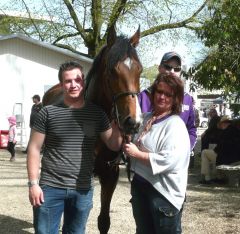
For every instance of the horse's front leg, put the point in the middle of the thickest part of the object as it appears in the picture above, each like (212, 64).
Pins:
(108, 177)
(108, 185)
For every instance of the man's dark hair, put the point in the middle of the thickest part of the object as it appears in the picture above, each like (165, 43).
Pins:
(36, 96)
(68, 66)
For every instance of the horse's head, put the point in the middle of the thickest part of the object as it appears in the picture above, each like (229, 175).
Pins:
(123, 72)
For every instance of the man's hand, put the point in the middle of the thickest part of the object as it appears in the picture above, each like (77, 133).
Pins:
(36, 195)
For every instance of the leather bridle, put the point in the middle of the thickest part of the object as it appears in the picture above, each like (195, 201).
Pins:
(115, 107)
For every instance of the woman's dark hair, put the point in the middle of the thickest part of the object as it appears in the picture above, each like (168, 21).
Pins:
(176, 85)
(68, 66)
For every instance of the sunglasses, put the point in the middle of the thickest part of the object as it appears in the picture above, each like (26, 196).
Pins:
(162, 92)
(169, 68)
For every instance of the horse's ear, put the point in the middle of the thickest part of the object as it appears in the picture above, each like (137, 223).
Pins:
(112, 35)
(134, 40)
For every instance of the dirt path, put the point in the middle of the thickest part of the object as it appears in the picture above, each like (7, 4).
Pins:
(207, 210)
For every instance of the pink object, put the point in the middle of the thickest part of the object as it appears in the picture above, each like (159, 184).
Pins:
(12, 120)
(3, 139)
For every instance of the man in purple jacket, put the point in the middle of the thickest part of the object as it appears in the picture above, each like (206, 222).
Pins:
(171, 65)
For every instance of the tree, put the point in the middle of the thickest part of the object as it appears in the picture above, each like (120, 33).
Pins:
(220, 68)
(150, 73)
(67, 24)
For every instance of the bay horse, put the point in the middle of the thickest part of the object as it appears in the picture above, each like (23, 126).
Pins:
(112, 83)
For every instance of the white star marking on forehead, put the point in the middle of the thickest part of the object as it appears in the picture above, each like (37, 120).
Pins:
(128, 62)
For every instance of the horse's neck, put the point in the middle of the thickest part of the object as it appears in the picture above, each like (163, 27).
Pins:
(98, 93)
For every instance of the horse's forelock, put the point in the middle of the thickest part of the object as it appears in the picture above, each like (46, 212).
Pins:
(119, 51)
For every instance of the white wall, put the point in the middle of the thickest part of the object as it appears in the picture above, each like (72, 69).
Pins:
(21, 79)
(26, 69)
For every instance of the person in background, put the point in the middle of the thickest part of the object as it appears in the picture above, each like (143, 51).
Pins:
(226, 152)
(69, 131)
(210, 135)
(160, 161)
(12, 134)
(205, 113)
(36, 107)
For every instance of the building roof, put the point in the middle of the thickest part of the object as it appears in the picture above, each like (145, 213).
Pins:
(46, 45)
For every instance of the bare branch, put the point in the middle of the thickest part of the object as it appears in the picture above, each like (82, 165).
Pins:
(117, 9)
(33, 22)
(67, 47)
(171, 13)
(64, 37)
(180, 24)
(75, 19)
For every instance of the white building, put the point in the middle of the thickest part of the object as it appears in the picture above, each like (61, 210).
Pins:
(28, 67)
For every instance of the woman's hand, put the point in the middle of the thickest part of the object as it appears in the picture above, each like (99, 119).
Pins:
(131, 149)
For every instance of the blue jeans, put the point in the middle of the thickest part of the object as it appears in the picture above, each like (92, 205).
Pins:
(75, 205)
(152, 212)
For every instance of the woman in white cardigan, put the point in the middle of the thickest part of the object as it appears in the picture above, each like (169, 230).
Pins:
(159, 159)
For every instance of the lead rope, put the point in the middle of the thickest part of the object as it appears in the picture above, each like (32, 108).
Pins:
(121, 156)
(126, 160)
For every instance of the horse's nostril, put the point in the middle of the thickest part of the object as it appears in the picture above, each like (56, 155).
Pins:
(130, 125)
(130, 121)
(137, 126)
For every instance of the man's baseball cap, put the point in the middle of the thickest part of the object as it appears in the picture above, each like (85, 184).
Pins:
(169, 55)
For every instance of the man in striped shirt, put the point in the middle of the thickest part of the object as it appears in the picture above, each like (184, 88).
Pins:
(69, 131)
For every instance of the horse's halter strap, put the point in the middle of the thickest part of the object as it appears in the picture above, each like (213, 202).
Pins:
(127, 93)
(115, 98)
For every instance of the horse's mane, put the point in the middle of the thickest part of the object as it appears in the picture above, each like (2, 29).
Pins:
(119, 51)
(95, 67)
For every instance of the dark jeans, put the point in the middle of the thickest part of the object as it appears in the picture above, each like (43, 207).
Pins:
(75, 205)
(11, 148)
(152, 212)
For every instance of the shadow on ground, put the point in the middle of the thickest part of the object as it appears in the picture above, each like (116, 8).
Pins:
(10, 225)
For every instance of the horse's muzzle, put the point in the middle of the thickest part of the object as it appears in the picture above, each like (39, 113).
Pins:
(130, 126)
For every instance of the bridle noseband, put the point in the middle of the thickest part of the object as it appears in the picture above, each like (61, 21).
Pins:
(127, 93)
(115, 108)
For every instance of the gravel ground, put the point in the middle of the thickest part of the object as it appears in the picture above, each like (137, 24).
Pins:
(208, 209)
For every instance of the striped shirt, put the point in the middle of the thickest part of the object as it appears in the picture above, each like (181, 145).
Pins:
(71, 134)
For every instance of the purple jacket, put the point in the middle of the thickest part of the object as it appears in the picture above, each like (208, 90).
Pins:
(187, 114)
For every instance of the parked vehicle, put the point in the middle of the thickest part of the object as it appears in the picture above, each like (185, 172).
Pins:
(203, 122)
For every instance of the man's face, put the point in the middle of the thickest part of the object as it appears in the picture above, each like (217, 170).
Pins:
(35, 101)
(171, 67)
(73, 84)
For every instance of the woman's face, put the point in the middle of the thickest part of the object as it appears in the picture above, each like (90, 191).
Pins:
(163, 98)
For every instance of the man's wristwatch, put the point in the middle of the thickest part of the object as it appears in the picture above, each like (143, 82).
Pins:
(32, 183)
